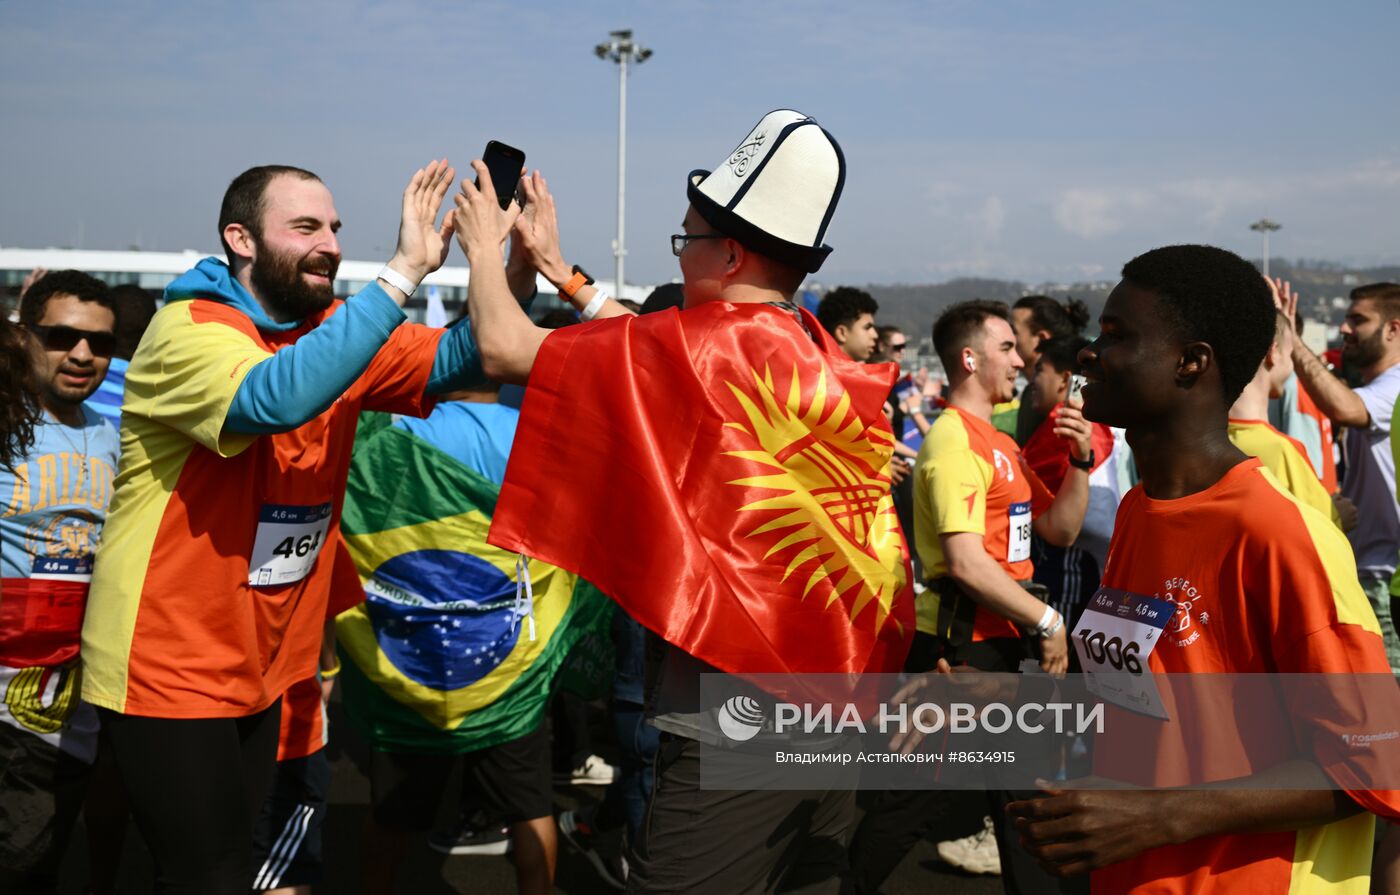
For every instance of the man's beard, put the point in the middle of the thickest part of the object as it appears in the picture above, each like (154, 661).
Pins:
(278, 278)
(1365, 352)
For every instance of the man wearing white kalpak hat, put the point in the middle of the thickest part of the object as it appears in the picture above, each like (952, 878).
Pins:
(677, 474)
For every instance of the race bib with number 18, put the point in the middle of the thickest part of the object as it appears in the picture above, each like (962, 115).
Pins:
(288, 541)
(1018, 532)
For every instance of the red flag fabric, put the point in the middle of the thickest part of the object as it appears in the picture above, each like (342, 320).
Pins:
(1047, 454)
(722, 473)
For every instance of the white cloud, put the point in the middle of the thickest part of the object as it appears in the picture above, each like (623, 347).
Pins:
(990, 217)
(1088, 213)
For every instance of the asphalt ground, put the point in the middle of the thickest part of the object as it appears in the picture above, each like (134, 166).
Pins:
(426, 872)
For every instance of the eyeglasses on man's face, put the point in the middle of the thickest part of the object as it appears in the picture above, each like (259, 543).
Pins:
(679, 240)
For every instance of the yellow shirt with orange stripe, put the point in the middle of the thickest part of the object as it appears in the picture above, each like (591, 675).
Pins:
(970, 477)
(1287, 459)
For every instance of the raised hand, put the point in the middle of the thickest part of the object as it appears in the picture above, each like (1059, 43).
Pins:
(479, 220)
(30, 279)
(1285, 299)
(537, 231)
(423, 246)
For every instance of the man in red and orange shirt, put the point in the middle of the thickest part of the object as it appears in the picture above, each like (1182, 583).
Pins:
(209, 594)
(976, 503)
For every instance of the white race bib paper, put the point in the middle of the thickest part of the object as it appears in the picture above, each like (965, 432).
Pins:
(1116, 633)
(288, 541)
(1018, 532)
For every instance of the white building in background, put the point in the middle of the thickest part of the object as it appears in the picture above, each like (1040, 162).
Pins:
(155, 270)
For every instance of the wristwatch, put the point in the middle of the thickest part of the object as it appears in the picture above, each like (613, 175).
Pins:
(1087, 464)
(575, 283)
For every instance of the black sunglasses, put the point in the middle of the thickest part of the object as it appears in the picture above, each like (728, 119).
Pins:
(898, 346)
(66, 338)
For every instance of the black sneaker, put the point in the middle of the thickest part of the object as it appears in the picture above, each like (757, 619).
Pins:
(469, 838)
(610, 863)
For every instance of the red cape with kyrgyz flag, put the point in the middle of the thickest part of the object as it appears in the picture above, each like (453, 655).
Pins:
(721, 472)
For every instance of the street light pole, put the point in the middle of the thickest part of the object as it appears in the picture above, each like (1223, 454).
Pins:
(621, 49)
(1265, 226)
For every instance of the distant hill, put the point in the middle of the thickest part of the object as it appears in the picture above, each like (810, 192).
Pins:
(1322, 286)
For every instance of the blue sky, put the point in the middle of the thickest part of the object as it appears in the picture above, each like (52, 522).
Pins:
(1038, 140)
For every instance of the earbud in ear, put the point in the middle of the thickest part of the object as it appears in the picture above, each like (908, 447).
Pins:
(971, 364)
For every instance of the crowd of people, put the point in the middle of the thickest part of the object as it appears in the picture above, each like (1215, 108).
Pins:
(214, 512)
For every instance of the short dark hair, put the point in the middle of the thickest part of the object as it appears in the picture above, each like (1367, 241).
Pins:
(955, 327)
(81, 286)
(1062, 353)
(667, 295)
(1058, 319)
(1386, 297)
(135, 308)
(1213, 296)
(244, 199)
(883, 333)
(843, 306)
(557, 318)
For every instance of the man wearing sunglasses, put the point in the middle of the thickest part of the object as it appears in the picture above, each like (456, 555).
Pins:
(52, 508)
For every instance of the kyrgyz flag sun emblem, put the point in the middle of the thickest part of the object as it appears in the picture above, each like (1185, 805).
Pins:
(829, 510)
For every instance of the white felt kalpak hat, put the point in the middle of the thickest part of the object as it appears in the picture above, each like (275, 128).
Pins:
(776, 192)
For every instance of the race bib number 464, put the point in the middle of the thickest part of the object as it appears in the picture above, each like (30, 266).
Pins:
(288, 541)
(1114, 637)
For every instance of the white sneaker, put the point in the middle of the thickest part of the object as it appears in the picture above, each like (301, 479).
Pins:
(974, 854)
(593, 771)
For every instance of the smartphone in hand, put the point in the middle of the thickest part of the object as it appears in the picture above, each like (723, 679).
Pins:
(1076, 390)
(505, 164)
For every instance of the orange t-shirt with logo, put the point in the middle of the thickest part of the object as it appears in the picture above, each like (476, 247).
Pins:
(184, 621)
(1262, 584)
(970, 477)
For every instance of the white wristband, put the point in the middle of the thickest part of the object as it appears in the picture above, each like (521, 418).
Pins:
(397, 280)
(594, 306)
(1042, 628)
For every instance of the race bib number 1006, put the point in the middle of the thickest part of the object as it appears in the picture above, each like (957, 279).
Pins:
(288, 541)
(1116, 633)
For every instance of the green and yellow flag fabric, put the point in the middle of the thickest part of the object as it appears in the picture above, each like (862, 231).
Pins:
(444, 654)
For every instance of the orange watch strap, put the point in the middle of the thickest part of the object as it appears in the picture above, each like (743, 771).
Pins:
(571, 288)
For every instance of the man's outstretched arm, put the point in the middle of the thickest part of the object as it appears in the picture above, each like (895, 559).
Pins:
(298, 383)
(1331, 395)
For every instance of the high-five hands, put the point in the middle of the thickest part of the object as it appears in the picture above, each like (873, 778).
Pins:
(537, 231)
(480, 223)
(423, 245)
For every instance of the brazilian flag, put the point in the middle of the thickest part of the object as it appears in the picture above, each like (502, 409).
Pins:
(442, 656)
